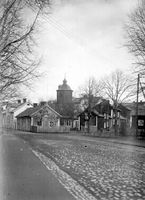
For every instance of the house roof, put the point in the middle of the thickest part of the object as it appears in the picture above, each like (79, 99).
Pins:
(32, 111)
(28, 112)
(46, 105)
(124, 106)
(94, 101)
(97, 113)
(92, 111)
(132, 107)
(12, 106)
(9, 107)
(21, 105)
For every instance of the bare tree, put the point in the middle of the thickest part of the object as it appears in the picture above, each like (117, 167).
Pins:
(90, 89)
(17, 62)
(118, 87)
(90, 93)
(135, 30)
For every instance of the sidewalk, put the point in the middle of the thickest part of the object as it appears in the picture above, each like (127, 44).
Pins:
(23, 176)
(126, 140)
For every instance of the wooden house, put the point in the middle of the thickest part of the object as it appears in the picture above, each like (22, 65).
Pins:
(42, 118)
(136, 118)
(99, 118)
(11, 110)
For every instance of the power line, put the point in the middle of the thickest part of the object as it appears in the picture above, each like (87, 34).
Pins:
(63, 30)
(54, 22)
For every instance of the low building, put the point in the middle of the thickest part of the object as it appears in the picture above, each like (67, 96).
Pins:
(136, 118)
(100, 118)
(42, 118)
(96, 122)
(125, 115)
(10, 110)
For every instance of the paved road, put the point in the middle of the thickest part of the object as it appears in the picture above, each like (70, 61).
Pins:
(23, 176)
(107, 170)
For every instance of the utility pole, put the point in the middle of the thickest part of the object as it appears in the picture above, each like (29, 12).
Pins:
(89, 108)
(138, 79)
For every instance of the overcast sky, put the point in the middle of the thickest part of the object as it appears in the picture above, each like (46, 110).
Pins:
(79, 39)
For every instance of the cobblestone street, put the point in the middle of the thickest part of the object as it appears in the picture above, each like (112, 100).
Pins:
(105, 170)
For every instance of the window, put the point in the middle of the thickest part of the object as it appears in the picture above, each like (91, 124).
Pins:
(140, 122)
(51, 123)
(67, 123)
(105, 125)
(39, 122)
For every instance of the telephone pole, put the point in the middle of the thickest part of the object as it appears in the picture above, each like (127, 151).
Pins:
(138, 80)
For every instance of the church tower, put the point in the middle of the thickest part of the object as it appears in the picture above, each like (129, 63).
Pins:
(64, 93)
(64, 100)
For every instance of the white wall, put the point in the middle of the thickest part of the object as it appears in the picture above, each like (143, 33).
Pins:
(19, 110)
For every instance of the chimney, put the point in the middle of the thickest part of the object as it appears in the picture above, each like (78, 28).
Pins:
(19, 101)
(42, 103)
(24, 100)
(34, 105)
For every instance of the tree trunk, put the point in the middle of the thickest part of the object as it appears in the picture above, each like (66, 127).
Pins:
(116, 126)
(89, 126)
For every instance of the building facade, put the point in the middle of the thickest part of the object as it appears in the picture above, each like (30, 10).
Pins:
(11, 110)
(50, 116)
(41, 118)
(100, 118)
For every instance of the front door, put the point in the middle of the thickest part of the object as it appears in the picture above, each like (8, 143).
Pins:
(45, 123)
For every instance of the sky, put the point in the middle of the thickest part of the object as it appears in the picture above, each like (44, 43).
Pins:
(80, 39)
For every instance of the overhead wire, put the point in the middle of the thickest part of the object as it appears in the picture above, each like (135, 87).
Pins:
(53, 21)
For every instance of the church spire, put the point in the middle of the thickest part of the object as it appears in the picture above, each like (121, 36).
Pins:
(64, 81)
